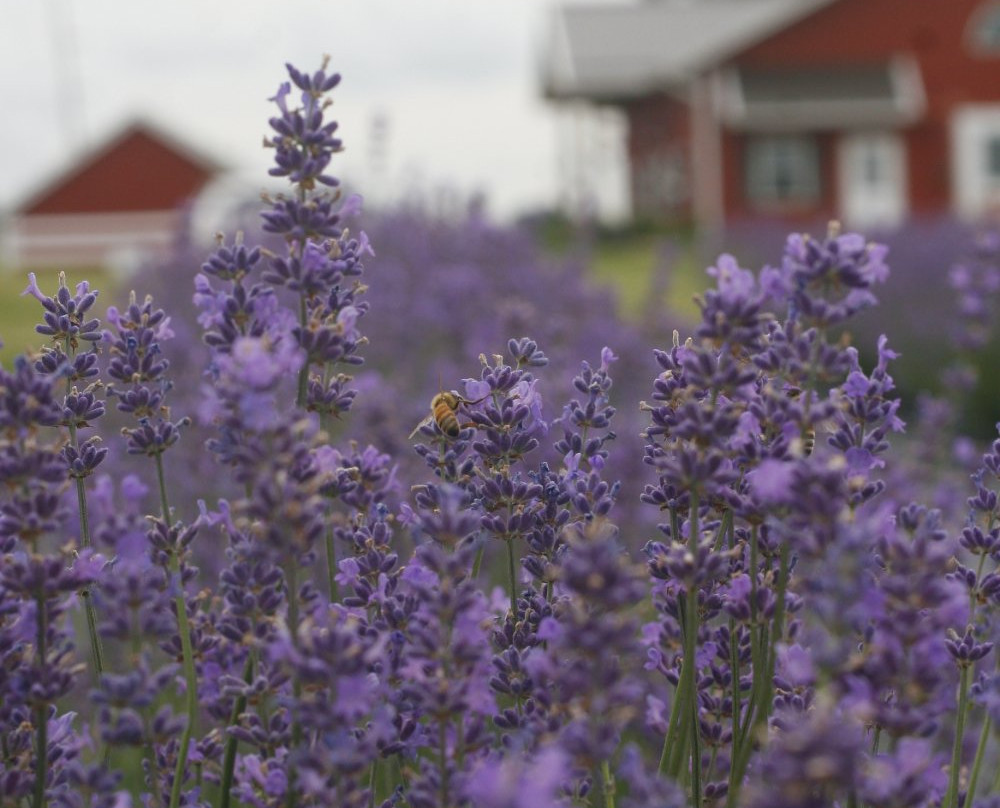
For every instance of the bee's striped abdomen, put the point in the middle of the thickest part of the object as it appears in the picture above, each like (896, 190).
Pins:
(443, 407)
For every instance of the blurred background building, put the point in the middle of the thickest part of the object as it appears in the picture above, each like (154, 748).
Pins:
(864, 110)
(113, 205)
(697, 112)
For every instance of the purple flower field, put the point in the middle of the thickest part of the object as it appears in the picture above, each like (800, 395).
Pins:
(598, 572)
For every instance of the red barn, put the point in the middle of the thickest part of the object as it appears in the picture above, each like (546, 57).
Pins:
(119, 201)
(862, 110)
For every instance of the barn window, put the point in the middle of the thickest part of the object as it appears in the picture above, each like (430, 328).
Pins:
(984, 30)
(782, 169)
(993, 160)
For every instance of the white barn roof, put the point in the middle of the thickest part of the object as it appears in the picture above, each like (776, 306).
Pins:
(613, 52)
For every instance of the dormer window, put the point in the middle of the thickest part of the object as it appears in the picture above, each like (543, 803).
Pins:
(983, 34)
(782, 170)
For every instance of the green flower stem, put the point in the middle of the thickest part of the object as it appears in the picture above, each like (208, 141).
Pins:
(41, 712)
(608, 783)
(96, 650)
(443, 761)
(371, 782)
(292, 618)
(951, 796)
(229, 755)
(678, 750)
(690, 653)
(187, 649)
(511, 564)
(148, 752)
(995, 785)
(972, 592)
(743, 743)
(292, 584)
(670, 739)
(984, 734)
(303, 386)
(734, 673)
(687, 687)
(331, 567)
(725, 528)
(779, 630)
(478, 561)
(460, 740)
(984, 739)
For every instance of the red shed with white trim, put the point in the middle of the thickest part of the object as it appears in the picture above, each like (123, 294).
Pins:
(119, 201)
(862, 110)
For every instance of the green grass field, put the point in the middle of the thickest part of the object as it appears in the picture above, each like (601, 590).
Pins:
(19, 314)
(633, 265)
(646, 279)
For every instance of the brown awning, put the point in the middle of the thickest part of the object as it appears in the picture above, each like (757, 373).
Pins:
(888, 94)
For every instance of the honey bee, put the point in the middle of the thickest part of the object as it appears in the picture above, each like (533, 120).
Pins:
(444, 412)
(808, 439)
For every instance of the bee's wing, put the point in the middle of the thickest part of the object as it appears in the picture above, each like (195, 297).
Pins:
(425, 422)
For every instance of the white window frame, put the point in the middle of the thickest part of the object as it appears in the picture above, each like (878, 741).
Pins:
(982, 34)
(975, 187)
(768, 157)
(868, 198)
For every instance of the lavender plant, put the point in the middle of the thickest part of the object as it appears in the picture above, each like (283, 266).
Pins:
(485, 633)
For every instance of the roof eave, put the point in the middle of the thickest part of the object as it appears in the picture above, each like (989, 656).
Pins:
(618, 94)
(64, 173)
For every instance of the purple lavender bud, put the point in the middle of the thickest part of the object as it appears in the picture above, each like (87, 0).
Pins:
(21, 466)
(514, 781)
(152, 439)
(813, 758)
(985, 691)
(123, 698)
(911, 775)
(29, 517)
(675, 562)
(135, 345)
(65, 312)
(525, 353)
(985, 500)
(83, 460)
(445, 515)
(26, 399)
(843, 262)
(166, 541)
(90, 786)
(299, 221)
(81, 408)
(731, 314)
(232, 263)
(260, 782)
(989, 587)
(140, 402)
(47, 577)
(965, 650)
(133, 601)
(53, 362)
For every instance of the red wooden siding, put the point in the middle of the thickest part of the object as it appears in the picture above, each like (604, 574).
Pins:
(734, 182)
(136, 173)
(659, 135)
(860, 31)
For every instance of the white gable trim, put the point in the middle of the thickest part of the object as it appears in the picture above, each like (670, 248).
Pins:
(89, 239)
(975, 192)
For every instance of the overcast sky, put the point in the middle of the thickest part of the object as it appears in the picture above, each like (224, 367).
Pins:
(455, 82)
